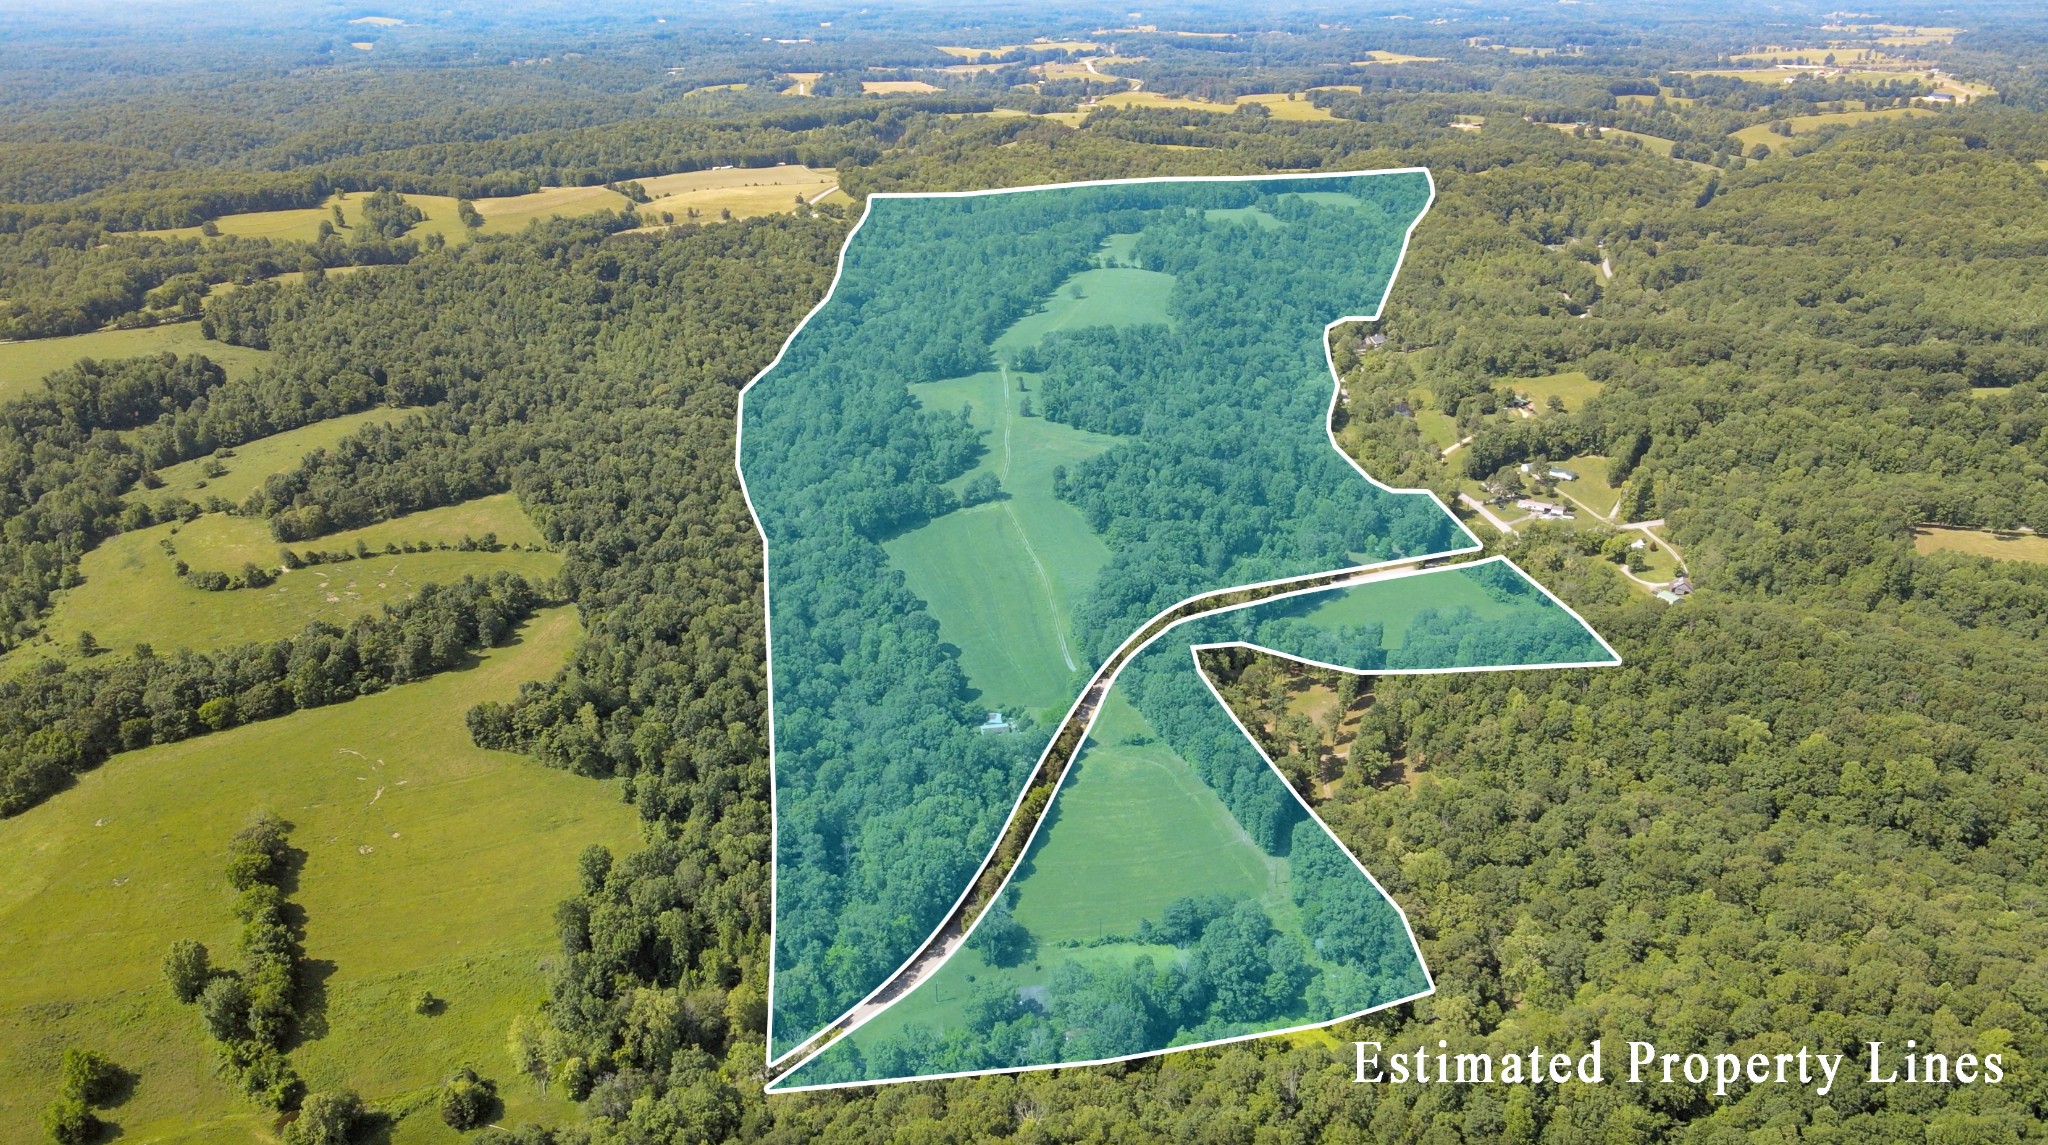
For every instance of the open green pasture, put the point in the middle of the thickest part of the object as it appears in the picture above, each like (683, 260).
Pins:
(1572, 387)
(23, 365)
(1805, 124)
(1393, 604)
(1591, 489)
(1107, 296)
(1130, 795)
(259, 459)
(1003, 578)
(132, 594)
(302, 224)
(425, 859)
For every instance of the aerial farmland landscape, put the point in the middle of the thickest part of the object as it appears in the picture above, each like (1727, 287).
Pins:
(916, 572)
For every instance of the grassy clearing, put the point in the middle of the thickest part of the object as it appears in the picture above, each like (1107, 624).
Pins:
(1154, 99)
(1036, 46)
(1081, 882)
(1754, 75)
(1573, 387)
(744, 191)
(1591, 489)
(1806, 124)
(1658, 563)
(513, 212)
(1981, 543)
(1654, 144)
(1379, 57)
(895, 87)
(1291, 108)
(1394, 604)
(302, 224)
(259, 459)
(1813, 57)
(1130, 795)
(426, 857)
(1003, 578)
(131, 593)
(1438, 428)
(800, 82)
(23, 365)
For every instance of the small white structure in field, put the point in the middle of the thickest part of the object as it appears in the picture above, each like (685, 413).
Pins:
(996, 724)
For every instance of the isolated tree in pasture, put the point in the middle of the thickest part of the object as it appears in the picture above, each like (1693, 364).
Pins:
(188, 969)
(325, 1119)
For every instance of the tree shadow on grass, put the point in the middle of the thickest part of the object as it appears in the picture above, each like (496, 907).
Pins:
(310, 1000)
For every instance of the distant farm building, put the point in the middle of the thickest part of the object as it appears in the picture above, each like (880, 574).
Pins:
(1554, 472)
(996, 725)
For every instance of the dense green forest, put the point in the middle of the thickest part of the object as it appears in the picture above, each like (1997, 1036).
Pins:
(1804, 810)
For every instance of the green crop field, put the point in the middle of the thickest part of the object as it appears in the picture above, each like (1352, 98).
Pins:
(1003, 578)
(258, 459)
(23, 365)
(425, 857)
(1126, 799)
(131, 594)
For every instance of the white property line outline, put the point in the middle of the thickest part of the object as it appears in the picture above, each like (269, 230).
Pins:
(1195, 651)
(767, 597)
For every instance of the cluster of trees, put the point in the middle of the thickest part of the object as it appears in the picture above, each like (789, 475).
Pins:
(252, 1011)
(86, 1080)
(387, 215)
(57, 719)
(1233, 969)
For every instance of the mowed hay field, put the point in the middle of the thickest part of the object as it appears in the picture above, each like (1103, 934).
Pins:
(23, 365)
(1981, 543)
(745, 191)
(302, 224)
(430, 864)
(1294, 107)
(1003, 578)
(132, 594)
(1133, 829)
(259, 459)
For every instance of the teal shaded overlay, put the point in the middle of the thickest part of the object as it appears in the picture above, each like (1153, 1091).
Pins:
(1022, 425)
(1178, 891)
